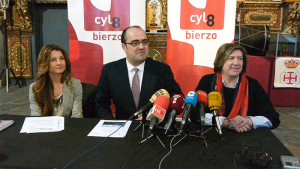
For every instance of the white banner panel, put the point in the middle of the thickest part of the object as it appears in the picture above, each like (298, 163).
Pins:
(205, 24)
(197, 28)
(95, 28)
(287, 72)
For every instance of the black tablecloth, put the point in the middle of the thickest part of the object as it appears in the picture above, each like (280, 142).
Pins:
(55, 150)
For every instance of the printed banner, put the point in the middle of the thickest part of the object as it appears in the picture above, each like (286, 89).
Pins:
(196, 29)
(95, 28)
(287, 72)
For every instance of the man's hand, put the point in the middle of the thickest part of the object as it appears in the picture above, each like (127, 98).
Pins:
(140, 116)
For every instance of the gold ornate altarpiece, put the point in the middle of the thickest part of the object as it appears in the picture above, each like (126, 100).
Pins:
(261, 13)
(19, 31)
(19, 53)
(280, 16)
(156, 27)
(252, 12)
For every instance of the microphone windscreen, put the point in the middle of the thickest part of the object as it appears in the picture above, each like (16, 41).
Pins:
(161, 92)
(177, 103)
(162, 101)
(159, 108)
(202, 97)
(191, 98)
(214, 100)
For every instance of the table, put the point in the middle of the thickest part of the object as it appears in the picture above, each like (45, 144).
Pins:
(55, 150)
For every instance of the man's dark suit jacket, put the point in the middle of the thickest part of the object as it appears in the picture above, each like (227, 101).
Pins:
(114, 85)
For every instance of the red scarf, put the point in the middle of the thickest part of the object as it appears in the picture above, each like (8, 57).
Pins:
(241, 102)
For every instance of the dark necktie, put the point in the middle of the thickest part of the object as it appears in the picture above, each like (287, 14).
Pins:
(136, 87)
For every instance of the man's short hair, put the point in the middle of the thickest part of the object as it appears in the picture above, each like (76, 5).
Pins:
(123, 37)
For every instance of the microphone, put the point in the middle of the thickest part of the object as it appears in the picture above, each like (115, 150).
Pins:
(158, 111)
(202, 100)
(161, 92)
(190, 103)
(214, 103)
(176, 106)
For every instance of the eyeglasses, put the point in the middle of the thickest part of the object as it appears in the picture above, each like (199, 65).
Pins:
(135, 43)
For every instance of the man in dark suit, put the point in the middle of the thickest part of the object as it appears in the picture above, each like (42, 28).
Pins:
(130, 82)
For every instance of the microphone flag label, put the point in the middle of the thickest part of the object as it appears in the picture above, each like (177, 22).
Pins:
(158, 111)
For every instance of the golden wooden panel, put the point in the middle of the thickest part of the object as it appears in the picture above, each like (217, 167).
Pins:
(21, 17)
(158, 43)
(156, 14)
(262, 13)
(157, 40)
(19, 55)
(293, 19)
(155, 55)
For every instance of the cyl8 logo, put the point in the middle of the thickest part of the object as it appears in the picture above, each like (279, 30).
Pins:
(202, 14)
(106, 15)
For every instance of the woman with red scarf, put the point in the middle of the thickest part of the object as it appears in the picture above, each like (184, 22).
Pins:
(245, 104)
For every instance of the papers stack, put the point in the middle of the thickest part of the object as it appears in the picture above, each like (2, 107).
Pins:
(111, 128)
(43, 124)
(5, 123)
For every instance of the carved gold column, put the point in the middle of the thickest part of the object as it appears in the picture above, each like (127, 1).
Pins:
(293, 19)
(19, 31)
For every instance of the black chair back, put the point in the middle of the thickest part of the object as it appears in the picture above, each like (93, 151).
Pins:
(88, 100)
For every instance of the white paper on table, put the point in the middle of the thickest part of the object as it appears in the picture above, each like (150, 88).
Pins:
(106, 127)
(43, 124)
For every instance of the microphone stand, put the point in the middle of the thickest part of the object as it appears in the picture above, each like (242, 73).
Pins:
(143, 124)
(5, 5)
(216, 125)
(200, 133)
(197, 134)
(201, 123)
(22, 79)
(150, 136)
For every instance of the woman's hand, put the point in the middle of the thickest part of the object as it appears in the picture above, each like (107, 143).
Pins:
(239, 123)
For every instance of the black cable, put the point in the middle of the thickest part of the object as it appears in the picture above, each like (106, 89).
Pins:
(130, 157)
(252, 153)
(207, 158)
(171, 148)
(76, 158)
(238, 154)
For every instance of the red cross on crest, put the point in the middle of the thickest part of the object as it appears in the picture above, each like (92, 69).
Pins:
(290, 77)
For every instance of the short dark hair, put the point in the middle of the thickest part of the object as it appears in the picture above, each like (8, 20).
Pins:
(123, 37)
(223, 53)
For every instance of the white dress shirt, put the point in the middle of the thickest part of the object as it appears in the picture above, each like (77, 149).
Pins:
(131, 72)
